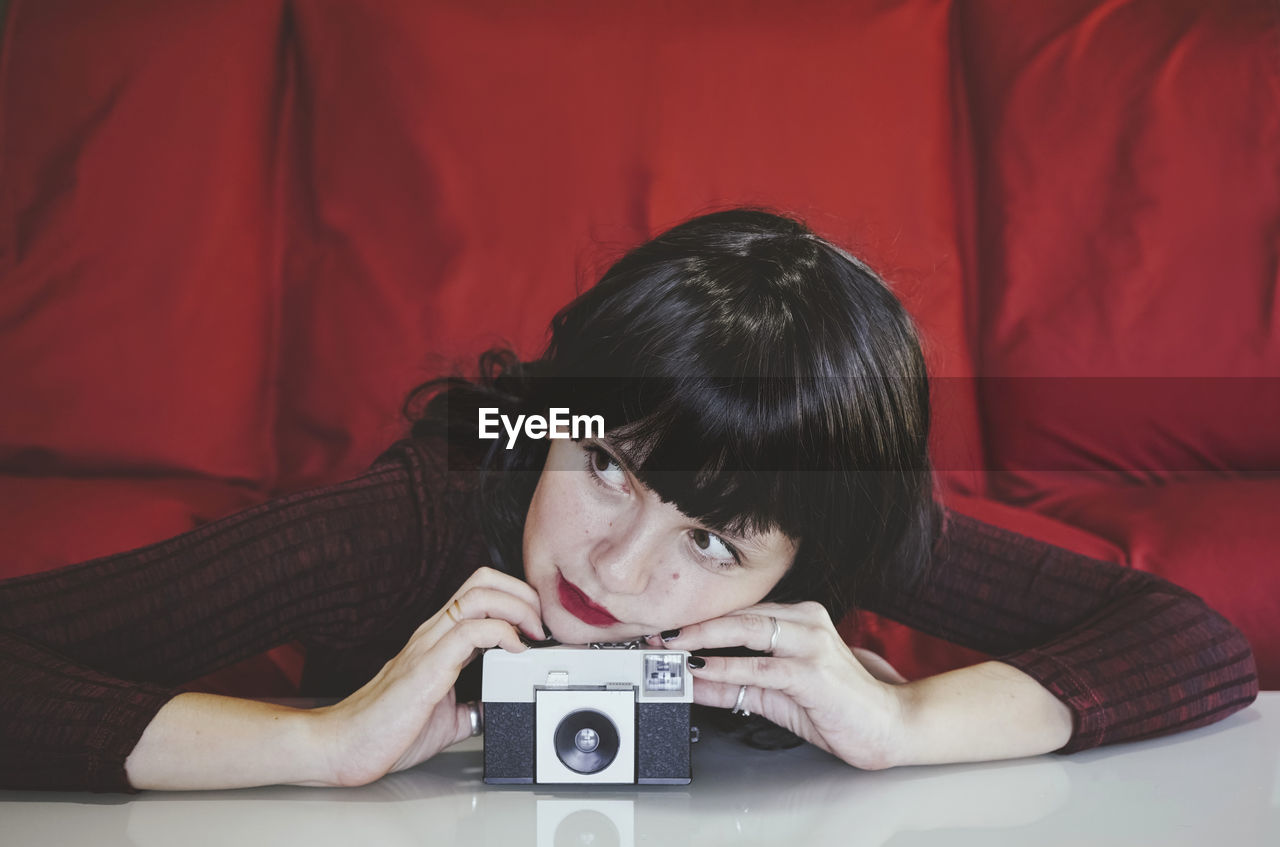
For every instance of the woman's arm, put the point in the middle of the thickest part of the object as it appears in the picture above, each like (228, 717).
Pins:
(91, 653)
(987, 711)
(853, 704)
(977, 714)
(1088, 653)
(67, 726)
(209, 741)
(1130, 655)
(404, 715)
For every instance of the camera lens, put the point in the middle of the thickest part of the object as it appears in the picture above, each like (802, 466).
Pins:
(586, 741)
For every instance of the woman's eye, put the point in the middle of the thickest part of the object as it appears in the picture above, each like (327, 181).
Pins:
(605, 468)
(711, 546)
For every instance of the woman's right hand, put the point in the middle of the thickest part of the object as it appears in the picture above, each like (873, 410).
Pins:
(408, 712)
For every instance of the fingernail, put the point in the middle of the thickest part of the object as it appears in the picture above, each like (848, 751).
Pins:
(670, 634)
(546, 631)
(696, 662)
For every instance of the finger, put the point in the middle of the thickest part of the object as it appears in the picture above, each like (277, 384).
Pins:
(754, 631)
(460, 645)
(759, 701)
(723, 695)
(490, 578)
(478, 603)
(429, 671)
(462, 722)
(807, 613)
(783, 675)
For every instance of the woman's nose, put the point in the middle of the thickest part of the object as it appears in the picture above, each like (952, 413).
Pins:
(623, 558)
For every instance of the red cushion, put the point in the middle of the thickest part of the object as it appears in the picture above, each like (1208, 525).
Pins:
(1130, 195)
(138, 239)
(276, 673)
(53, 521)
(471, 166)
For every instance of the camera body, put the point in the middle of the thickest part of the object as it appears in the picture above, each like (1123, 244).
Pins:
(607, 715)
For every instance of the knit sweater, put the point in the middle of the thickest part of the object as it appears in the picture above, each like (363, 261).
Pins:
(89, 653)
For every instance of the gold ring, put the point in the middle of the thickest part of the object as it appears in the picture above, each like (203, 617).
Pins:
(455, 606)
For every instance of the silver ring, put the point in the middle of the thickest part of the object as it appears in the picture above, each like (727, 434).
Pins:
(777, 630)
(737, 707)
(477, 718)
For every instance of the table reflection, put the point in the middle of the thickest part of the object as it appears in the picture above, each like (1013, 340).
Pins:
(1217, 784)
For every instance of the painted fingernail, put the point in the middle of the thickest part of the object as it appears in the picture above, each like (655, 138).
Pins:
(546, 631)
(696, 662)
(670, 634)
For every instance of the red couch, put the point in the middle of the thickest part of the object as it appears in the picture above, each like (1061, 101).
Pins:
(232, 235)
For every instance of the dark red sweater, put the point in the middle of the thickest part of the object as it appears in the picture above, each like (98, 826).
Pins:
(89, 653)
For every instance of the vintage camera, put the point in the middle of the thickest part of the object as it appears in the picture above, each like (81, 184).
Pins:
(586, 715)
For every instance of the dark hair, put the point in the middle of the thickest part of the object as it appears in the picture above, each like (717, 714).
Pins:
(751, 373)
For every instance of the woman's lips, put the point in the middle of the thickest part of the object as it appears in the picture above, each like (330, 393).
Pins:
(580, 606)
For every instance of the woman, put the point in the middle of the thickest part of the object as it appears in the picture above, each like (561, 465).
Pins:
(763, 470)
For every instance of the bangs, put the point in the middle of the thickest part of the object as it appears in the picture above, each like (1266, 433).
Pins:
(733, 454)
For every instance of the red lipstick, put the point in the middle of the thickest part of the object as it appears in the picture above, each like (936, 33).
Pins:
(580, 606)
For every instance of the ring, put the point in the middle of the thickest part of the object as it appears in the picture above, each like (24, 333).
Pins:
(737, 707)
(449, 611)
(773, 639)
(477, 718)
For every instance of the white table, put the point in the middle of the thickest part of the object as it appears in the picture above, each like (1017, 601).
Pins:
(1216, 786)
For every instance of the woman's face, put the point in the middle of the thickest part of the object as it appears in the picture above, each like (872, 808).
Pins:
(611, 562)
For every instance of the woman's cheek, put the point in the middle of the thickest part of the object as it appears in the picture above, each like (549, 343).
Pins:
(679, 591)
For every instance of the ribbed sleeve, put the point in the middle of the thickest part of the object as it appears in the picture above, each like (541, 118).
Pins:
(1132, 655)
(89, 653)
(63, 725)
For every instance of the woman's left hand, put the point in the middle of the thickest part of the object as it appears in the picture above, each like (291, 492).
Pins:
(848, 701)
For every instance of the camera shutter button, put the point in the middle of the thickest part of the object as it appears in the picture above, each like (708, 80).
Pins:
(557, 679)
